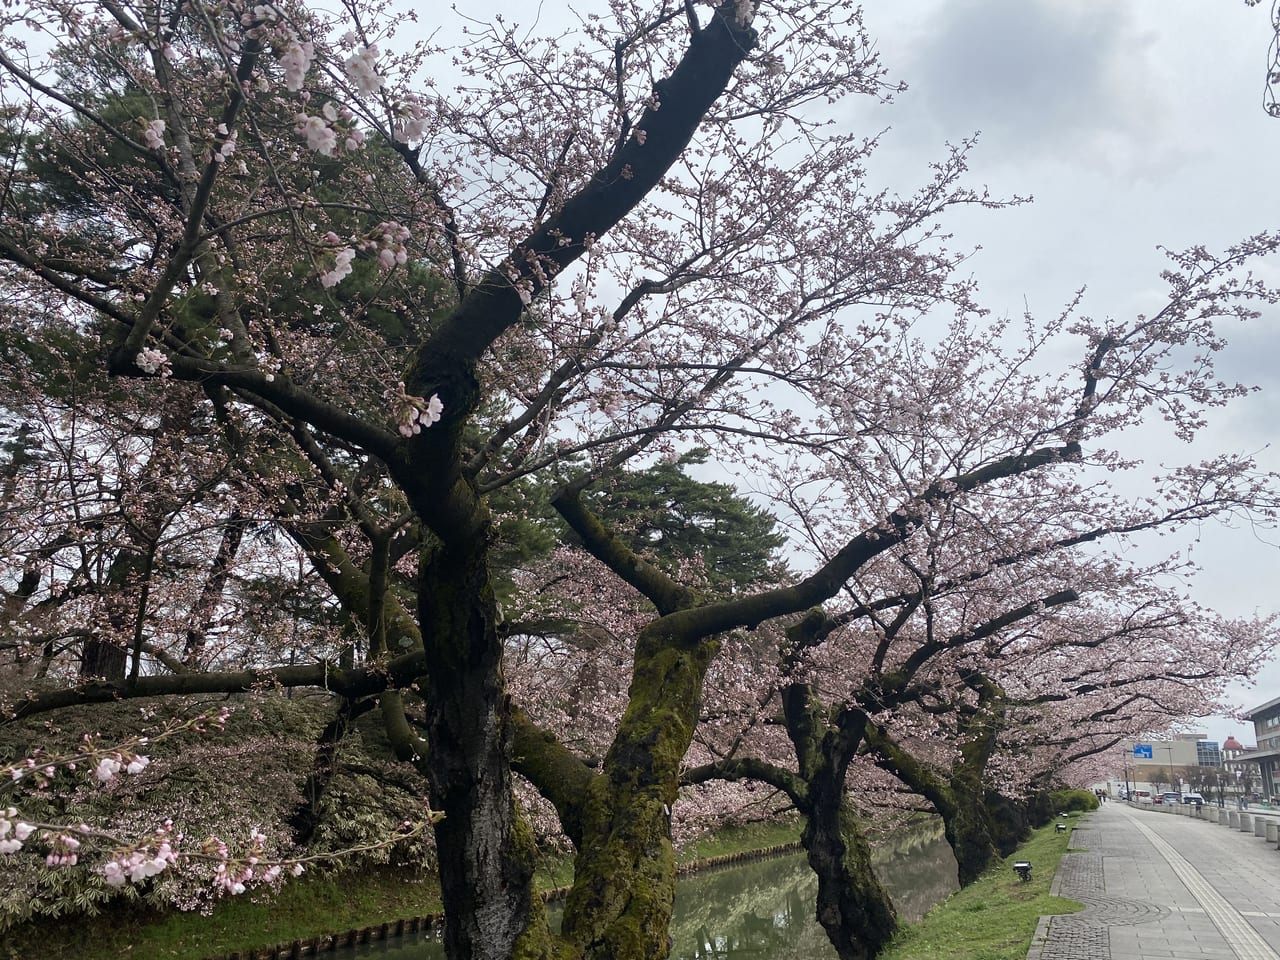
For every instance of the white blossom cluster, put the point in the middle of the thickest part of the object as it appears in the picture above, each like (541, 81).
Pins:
(13, 832)
(412, 413)
(341, 268)
(153, 134)
(228, 146)
(329, 132)
(108, 767)
(361, 71)
(152, 361)
(296, 61)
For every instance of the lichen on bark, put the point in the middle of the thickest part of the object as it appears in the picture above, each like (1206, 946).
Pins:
(624, 875)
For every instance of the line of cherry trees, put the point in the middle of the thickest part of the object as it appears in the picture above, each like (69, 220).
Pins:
(351, 362)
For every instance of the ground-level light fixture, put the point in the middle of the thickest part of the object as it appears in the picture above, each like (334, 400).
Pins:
(1062, 827)
(1023, 869)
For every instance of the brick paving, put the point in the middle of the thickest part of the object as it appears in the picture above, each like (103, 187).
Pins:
(1163, 886)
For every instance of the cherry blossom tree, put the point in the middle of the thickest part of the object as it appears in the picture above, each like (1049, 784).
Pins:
(960, 621)
(113, 511)
(398, 299)
(172, 284)
(972, 718)
(1100, 660)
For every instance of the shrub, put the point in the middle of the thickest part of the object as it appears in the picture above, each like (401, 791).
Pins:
(1074, 801)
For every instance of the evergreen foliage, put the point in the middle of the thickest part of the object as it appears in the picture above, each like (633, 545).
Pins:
(671, 517)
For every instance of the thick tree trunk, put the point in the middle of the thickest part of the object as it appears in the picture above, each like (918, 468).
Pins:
(971, 834)
(103, 659)
(967, 826)
(852, 905)
(624, 874)
(961, 802)
(485, 848)
(1010, 822)
(960, 799)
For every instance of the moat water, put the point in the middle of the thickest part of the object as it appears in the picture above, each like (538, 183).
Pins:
(762, 910)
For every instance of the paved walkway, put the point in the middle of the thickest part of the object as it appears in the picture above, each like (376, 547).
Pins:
(1159, 886)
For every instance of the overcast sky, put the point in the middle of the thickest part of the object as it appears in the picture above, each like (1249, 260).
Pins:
(1133, 124)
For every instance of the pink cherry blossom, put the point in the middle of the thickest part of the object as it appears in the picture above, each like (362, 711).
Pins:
(153, 134)
(151, 360)
(362, 71)
(319, 134)
(296, 59)
(107, 768)
(340, 270)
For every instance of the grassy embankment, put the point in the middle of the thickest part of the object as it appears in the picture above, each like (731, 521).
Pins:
(305, 908)
(993, 919)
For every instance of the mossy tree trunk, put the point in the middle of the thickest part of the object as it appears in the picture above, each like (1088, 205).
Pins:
(618, 819)
(960, 796)
(624, 881)
(624, 876)
(969, 832)
(972, 833)
(1010, 821)
(853, 907)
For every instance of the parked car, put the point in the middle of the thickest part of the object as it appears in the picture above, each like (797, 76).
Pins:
(1170, 798)
(1192, 798)
(1143, 796)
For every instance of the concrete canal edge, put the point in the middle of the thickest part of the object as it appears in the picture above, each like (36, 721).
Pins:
(329, 942)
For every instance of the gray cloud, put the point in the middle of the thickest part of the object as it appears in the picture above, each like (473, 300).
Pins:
(1073, 80)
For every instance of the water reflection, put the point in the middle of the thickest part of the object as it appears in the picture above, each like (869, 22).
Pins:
(765, 910)
(756, 910)
(918, 869)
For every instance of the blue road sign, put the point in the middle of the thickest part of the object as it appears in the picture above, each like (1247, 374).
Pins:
(1142, 751)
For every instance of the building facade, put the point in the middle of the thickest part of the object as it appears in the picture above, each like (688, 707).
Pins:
(1266, 727)
(1157, 766)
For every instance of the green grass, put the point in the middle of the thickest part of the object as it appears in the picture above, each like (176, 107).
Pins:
(995, 917)
(752, 836)
(305, 908)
